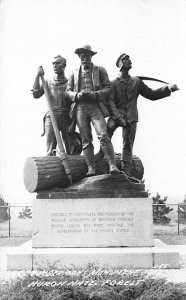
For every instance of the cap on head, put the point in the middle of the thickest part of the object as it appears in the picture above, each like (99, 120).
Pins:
(119, 62)
(85, 48)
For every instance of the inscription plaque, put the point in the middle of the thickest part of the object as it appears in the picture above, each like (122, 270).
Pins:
(92, 222)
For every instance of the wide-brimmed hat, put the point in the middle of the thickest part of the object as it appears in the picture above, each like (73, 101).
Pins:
(85, 48)
(119, 60)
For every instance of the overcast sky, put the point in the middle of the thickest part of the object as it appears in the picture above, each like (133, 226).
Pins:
(153, 33)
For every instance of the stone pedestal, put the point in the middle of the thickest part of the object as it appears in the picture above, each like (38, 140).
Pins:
(105, 221)
(105, 232)
(28, 258)
(95, 222)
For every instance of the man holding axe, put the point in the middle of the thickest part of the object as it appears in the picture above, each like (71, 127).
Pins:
(56, 89)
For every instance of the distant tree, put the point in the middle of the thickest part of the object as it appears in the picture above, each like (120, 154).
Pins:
(160, 211)
(25, 213)
(4, 215)
(182, 211)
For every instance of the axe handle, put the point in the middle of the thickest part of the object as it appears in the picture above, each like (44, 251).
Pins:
(63, 155)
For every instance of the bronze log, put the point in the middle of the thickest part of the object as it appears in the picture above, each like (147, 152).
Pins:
(47, 172)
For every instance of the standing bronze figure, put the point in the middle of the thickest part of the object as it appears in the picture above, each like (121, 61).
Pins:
(61, 106)
(88, 88)
(123, 106)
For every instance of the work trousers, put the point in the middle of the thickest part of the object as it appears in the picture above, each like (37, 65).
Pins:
(63, 121)
(128, 136)
(87, 113)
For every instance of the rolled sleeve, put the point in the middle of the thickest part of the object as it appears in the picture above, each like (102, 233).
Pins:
(37, 93)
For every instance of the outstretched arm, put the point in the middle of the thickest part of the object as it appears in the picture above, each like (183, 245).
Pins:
(156, 94)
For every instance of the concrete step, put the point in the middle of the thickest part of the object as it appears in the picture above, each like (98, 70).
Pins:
(27, 258)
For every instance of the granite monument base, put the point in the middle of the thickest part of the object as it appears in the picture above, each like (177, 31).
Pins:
(92, 222)
(112, 233)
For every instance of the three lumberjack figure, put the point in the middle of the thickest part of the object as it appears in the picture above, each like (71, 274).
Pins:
(60, 104)
(88, 87)
(122, 106)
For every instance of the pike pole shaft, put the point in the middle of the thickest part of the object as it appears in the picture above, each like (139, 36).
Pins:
(63, 155)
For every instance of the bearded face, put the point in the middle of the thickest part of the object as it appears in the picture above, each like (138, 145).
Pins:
(86, 59)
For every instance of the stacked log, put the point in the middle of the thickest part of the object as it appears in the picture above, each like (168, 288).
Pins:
(47, 172)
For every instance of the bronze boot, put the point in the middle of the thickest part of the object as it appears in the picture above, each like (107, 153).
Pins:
(108, 151)
(125, 167)
(99, 155)
(89, 158)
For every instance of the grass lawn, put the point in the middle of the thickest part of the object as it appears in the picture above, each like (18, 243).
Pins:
(18, 227)
(13, 241)
(172, 239)
(169, 233)
(169, 239)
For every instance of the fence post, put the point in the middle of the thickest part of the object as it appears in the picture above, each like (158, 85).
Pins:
(9, 221)
(178, 220)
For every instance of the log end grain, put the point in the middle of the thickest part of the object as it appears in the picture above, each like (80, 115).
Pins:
(30, 175)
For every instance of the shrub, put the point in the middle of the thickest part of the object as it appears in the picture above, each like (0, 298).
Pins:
(25, 213)
(160, 211)
(4, 215)
(146, 289)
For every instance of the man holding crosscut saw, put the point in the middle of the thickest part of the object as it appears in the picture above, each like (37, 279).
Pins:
(123, 105)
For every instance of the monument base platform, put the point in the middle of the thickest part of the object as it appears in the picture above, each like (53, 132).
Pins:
(27, 258)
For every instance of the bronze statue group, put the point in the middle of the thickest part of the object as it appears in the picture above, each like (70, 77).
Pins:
(88, 97)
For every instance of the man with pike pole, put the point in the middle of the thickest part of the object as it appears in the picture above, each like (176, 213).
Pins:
(122, 106)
